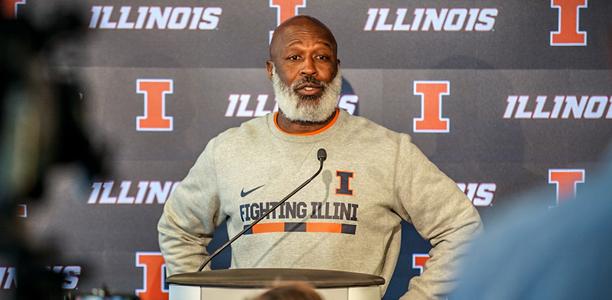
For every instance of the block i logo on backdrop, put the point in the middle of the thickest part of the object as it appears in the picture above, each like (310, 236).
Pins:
(22, 210)
(431, 94)
(419, 260)
(10, 8)
(285, 9)
(154, 92)
(566, 182)
(568, 31)
(154, 286)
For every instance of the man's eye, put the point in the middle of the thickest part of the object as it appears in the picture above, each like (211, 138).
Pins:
(293, 57)
(322, 57)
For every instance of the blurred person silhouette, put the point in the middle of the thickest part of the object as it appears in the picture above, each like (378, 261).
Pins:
(290, 291)
(42, 125)
(562, 253)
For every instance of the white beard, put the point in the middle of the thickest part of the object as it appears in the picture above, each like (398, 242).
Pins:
(307, 110)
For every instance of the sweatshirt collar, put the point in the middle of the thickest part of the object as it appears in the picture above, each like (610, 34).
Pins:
(311, 136)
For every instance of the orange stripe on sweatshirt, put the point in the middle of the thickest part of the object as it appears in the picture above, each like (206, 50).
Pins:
(269, 227)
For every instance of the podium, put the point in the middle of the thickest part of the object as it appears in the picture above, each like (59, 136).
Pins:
(243, 284)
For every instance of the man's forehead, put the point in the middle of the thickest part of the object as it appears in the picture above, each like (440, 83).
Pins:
(297, 29)
(299, 37)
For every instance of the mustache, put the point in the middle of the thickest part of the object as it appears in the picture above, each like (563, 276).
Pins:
(308, 81)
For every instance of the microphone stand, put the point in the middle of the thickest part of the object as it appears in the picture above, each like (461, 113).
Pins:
(321, 156)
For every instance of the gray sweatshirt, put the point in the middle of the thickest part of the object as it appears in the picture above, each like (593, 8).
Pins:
(347, 219)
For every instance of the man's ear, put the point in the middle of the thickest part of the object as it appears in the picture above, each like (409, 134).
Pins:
(269, 67)
(337, 66)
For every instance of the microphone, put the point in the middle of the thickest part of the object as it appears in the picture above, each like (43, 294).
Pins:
(321, 156)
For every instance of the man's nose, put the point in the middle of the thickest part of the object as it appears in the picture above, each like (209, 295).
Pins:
(308, 67)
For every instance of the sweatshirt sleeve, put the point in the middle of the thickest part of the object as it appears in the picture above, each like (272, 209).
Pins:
(190, 217)
(440, 212)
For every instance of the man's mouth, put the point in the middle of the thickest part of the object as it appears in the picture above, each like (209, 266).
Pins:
(309, 89)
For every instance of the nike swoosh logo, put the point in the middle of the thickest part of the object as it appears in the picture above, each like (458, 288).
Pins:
(244, 194)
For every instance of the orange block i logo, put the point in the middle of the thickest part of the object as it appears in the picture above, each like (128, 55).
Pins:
(431, 120)
(154, 91)
(568, 33)
(153, 277)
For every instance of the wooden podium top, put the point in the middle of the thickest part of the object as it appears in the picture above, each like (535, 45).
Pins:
(265, 278)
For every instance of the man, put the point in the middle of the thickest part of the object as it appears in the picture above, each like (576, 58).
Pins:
(347, 219)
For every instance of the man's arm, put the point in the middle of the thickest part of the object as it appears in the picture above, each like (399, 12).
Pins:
(440, 212)
(190, 217)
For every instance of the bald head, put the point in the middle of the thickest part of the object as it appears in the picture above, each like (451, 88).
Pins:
(300, 24)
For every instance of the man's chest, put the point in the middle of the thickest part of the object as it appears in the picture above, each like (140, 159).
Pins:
(345, 195)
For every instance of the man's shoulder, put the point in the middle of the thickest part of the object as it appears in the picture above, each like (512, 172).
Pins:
(249, 129)
(237, 138)
(363, 126)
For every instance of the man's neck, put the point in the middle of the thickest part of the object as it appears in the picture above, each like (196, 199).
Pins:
(298, 127)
